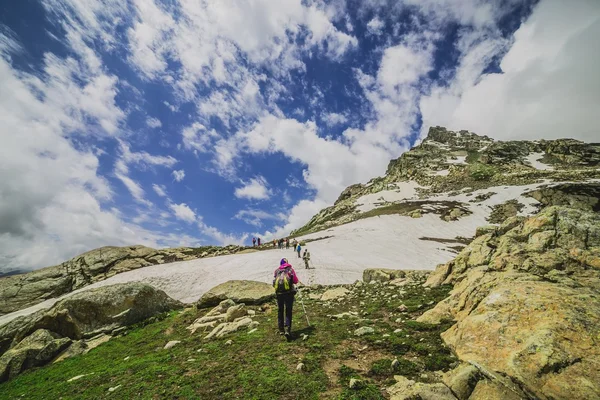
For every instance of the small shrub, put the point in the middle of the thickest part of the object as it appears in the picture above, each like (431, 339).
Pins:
(481, 172)
(420, 326)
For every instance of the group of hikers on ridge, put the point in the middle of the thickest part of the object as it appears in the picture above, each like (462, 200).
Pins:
(296, 246)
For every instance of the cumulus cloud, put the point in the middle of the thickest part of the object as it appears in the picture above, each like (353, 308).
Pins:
(548, 87)
(255, 189)
(183, 212)
(178, 175)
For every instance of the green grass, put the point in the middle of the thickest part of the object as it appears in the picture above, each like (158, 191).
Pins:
(256, 366)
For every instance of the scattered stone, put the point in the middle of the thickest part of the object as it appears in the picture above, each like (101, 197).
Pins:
(126, 358)
(76, 378)
(235, 312)
(229, 342)
(300, 367)
(402, 308)
(365, 330)
(171, 344)
(334, 293)
(395, 364)
(112, 389)
(398, 330)
(355, 383)
(191, 360)
(253, 325)
(304, 336)
(252, 331)
(251, 313)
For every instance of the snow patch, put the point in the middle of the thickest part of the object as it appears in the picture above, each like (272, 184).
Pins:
(459, 160)
(533, 160)
(403, 191)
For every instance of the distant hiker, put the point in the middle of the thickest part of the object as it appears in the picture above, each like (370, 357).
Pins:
(253, 242)
(295, 244)
(306, 258)
(274, 243)
(287, 243)
(259, 241)
(298, 249)
(284, 280)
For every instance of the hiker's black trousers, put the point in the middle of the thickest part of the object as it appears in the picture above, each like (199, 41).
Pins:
(285, 302)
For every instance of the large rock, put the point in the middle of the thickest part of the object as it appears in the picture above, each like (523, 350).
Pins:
(91, 312)
(37, 349)
(248, 292)
(526, 304)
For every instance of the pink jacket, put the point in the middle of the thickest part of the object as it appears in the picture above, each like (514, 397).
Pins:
(282, 266)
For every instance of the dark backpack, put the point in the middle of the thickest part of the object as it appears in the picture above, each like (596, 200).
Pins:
(284, 280)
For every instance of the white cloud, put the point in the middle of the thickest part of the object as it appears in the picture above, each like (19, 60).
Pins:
(548, 88)
(178, 175)
(221, 238)
(153, 122)
(375, 26)
(333, 119)
(256, 217)
(255, 189)
(183, 212)
(160, 190)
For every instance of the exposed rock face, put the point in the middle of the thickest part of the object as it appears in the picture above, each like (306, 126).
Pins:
(82, 315)
(248, 292)
(451, 162)
(526, 305)
(22, 291)
(37, 349)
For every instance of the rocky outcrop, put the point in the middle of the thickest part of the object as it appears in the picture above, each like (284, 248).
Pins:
(526, 306)
(248, 292)
(394, 276)
(83, 315)
(35, 350)
(21, 291)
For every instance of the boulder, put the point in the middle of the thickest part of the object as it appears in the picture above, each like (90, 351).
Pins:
(462, 380)
(489, 390)
(334, 293)
(248, 292)
(406, 389)
(37, 349)
(381, 275)
(526, 304)
(88, 313)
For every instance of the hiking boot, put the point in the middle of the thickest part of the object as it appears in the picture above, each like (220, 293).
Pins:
(288, 332)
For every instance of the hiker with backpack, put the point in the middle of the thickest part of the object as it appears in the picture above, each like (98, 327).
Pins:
(284, 281)
(298, 249)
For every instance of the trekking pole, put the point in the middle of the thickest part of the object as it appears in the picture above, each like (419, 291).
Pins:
(304, 308)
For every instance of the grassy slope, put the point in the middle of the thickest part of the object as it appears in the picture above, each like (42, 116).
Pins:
(259, 365)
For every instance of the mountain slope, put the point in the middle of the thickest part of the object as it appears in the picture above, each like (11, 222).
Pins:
(430, 177)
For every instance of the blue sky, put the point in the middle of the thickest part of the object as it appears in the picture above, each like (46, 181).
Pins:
(192, 122)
